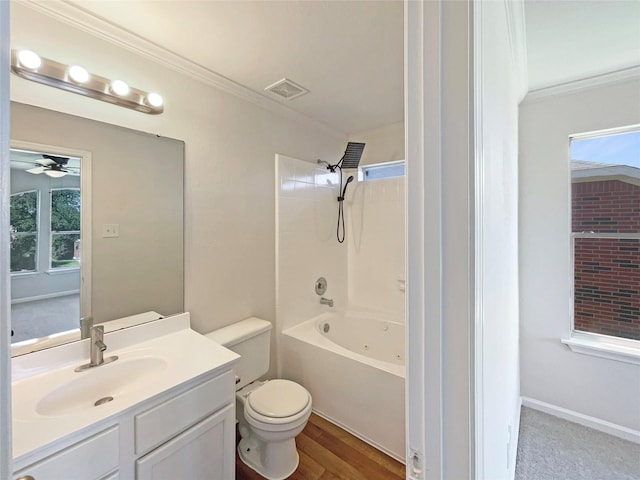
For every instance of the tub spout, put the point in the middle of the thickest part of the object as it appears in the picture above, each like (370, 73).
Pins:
(326, 301)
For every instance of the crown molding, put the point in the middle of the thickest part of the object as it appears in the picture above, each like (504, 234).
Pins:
(575, 86)
(87, 22)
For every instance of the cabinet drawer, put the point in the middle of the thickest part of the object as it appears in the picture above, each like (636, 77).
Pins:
(204, 451)
(90, 459)
(159, 424)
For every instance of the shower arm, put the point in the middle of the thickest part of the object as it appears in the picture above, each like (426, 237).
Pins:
(331, 168)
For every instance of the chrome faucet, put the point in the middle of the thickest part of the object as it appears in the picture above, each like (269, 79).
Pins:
(96, 349)
(97, 346)
(326, 301)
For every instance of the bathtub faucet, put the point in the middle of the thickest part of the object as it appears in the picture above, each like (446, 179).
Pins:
(326, 301)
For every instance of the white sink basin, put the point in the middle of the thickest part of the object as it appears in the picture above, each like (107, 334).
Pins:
(98, 385)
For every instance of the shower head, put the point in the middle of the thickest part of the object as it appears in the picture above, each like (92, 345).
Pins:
(350, 159)
(352, 155)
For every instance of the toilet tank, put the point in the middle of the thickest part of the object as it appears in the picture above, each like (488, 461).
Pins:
(251, 339)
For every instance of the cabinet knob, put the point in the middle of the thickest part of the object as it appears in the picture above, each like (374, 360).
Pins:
(26, 477)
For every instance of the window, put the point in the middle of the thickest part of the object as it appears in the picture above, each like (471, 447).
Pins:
(605, 234)
(24, 231)
(65, 228)
(382, 170)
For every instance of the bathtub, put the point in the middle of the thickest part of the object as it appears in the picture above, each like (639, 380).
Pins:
(353, 364)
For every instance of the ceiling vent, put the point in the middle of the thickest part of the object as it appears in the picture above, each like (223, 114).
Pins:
(287, 89)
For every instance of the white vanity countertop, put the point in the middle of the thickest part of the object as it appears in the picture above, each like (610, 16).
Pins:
(161, 355)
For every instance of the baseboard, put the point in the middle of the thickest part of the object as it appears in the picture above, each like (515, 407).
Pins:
(44, 297)
(360, 436)
(585, 420)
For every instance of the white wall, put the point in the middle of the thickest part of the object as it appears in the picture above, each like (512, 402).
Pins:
(229, 149)
(605, 389)
(497, 316)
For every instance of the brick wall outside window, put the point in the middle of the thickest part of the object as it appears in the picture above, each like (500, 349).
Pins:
(607, 270)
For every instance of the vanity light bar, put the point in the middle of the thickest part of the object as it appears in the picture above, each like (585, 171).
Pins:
(76, 79)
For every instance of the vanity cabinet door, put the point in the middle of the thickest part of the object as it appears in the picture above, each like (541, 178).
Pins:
(205, 451)
(95, 458)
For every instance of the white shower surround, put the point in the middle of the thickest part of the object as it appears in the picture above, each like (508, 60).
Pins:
(363, 395)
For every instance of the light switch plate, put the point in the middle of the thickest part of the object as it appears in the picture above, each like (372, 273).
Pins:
(110, 230)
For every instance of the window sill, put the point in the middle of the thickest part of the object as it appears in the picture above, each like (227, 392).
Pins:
(600, 346)
(24, 274)
(60, 271)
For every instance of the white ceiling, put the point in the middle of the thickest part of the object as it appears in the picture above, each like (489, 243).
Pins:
(349, 54)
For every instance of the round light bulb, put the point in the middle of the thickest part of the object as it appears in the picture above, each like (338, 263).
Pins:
(155, 100)
(78, 74)
(29, 59)
(119, 87)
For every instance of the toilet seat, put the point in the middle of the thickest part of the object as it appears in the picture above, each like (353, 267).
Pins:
(285, 403)
(279, 399)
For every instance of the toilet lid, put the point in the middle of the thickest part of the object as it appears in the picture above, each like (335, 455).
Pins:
(278, 399)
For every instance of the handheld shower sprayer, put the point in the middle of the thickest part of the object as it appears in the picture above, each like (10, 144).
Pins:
(344, 189)
(340, 230)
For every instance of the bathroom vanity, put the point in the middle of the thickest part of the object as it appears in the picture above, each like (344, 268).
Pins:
(164, 409)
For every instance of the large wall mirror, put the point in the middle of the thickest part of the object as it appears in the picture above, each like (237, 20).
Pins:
(96, 226)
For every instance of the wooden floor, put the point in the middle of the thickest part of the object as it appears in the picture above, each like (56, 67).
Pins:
(327, 453)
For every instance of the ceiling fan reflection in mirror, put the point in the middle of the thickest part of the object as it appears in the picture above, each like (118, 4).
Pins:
(51, 165)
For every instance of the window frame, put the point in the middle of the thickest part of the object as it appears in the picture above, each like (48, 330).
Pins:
(36, 234)
(51, 269)
(579, 341)
(362, 170)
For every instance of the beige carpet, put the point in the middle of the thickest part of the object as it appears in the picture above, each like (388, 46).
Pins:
(44, 317)
(550, 448)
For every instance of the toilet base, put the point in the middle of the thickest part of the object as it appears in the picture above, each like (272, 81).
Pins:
(280, 459)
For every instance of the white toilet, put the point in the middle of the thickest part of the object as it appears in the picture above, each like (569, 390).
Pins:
(271, 413)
